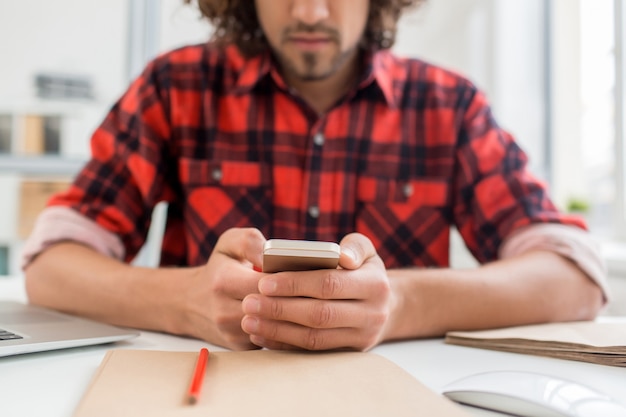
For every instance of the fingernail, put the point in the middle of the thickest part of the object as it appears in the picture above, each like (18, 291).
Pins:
(349, 253)
(251, 305)
(250, 324)
(257, 340)
(267, 286)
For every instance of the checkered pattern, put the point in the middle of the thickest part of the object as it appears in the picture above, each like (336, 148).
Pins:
(412, 150)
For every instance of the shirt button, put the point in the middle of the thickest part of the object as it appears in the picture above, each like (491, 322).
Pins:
(318, 139)
(216, 174)
(314, 212)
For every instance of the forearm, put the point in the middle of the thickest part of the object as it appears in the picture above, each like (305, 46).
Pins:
(533, 288)
(76, 279)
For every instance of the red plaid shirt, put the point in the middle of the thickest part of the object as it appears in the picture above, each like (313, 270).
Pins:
(412, 150)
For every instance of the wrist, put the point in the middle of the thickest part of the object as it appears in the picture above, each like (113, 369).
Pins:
(183, 311)
(413, 291)
(396, 301)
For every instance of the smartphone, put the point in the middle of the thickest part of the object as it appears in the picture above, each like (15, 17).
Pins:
(299, 255)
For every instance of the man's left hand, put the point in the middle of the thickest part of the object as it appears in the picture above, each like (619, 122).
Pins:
(344, 308)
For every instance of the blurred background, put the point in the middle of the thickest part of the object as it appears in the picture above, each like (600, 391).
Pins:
(553, 71)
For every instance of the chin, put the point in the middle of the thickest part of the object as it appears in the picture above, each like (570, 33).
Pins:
(314, 77)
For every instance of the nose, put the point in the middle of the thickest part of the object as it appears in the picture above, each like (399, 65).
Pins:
(310, 11)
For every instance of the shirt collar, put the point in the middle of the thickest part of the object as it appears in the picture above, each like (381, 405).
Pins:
(250, 70)
(381, 69)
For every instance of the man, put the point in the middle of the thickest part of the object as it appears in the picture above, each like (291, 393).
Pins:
(298, 123)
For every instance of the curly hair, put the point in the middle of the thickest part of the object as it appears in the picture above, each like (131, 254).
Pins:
(235, 21)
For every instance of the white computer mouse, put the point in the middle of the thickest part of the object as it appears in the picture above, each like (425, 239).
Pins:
(529, 394)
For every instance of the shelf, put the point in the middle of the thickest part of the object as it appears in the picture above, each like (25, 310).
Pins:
(40, 165)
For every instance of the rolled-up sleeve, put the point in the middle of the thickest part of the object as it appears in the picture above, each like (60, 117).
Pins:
(571, 242)
(59, 224)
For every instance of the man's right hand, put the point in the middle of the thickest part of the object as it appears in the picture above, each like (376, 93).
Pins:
(213, 300)
(202, 302)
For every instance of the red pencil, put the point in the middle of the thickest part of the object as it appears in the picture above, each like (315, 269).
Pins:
(193, 393)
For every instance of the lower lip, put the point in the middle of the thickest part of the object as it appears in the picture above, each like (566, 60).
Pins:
(307, 45)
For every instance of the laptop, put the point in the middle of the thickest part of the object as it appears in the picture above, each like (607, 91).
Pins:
(25, 328)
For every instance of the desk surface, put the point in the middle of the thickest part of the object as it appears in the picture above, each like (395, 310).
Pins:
(52, 383)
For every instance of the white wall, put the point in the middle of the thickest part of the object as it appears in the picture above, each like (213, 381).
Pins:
(84, 37)
(69, 37)
(180, 25)
(426, 33)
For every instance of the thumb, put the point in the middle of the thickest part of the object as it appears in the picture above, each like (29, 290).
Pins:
(243, 244)
(356, 249)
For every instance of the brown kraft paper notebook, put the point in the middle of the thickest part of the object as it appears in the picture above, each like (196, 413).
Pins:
(259, 383)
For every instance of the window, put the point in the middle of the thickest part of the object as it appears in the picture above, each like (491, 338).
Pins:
(598, 117)
(587, 78)
(588, 134)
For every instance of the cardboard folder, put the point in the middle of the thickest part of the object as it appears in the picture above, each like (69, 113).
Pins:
(586, 341)
(259, 383)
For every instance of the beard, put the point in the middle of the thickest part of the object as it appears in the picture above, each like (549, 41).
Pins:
(312, 66)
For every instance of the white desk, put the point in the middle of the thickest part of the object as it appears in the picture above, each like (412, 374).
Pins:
(51, 384)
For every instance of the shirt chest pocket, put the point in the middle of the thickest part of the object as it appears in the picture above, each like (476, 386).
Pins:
(407, 221)
(220, 195)
(414, 192)
(238, 174)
